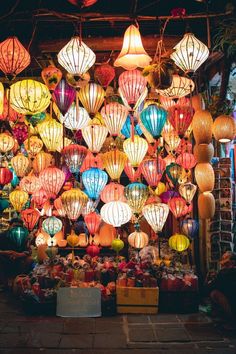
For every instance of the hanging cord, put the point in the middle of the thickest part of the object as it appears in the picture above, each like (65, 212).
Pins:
(160, 43)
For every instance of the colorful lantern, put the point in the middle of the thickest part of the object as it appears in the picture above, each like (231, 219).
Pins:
(117, 244)
(174, 172)
(75, 119)
(93, 250)
(169, 159)
(20, 163)
(131, 172)
(114, 115)
(161, 188)
(52, 179)
(91, 97)
(74, 156)
(114, 163)
(152, 170)
(113, 191)
(116, 213)
(59, 207)
(64, 95)
(136, 195)
(179, 242)
(180, 117)
(41, 161)
(7, 142)
(51, 77)
(30, 184)
(138, 239)
(18, 199)
(202, 127)
(73, 202)
(91, 161)
(78, 81)
(6, 176)
(1, 98)
(20, 132)
(187, 191)
(104, 74)
(206, 205)
(126, 131)
(52, 225)
(167, 102)
(33, 145)
(30, 217)
(203, 152)
(94, 136)
(177, 206)
(189, 227)
(135, 149)
(156, 215)
(186, 160)
(39, 197)
(224, 129)
(173, 140)
(181, 86)
(153, 119)
(92, 221)
(132, 85)
(51, 132)
(90, 206)
(18, 236)
(94, 181)
(205, 177)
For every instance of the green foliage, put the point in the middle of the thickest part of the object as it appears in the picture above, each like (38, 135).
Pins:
(225, 37)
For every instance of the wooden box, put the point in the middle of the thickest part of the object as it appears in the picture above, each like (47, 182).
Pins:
(137, 300)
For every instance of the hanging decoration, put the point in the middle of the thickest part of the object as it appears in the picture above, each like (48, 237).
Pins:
(179, 242)
(181, 86)
(51, 77)
(135, 149)
(154, 119)
(74, 156)
(116, 213)
(104, 74)
(94, 136)
(73, 202)
(76, 118)
(91, 96)
(64, 95)
(136, 194)
(224, 128)
(114, 163)
(94, 181)
(51, 133)
(180, 117)
(112, 192)
(152, 169)
(114, 115)
(189, 227)
(156, 215)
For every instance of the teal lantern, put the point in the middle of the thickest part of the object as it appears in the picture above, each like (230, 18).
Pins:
(174, 172)
(15, 180)
(94, 181)
(36, 118)
(18, 235)
(4, 204)
(52, 225)
(153, 118)
(126, 128)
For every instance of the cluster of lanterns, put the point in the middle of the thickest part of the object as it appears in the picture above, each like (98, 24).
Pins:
(61, 165)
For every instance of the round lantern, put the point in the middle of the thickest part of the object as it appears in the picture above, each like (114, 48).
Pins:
(189, 227)
(30, 217)
(131, 172)
(51, 77)
(75, 119)
(52, 179)
(74, 156)
(187, 191)
(5, 176)
(14, 58)
(93, 250)
(180, 117)
(59, 207)
(41, 161)
(73, 202)
(29, 97)
(30, 184)
(92, 221)
(18, 236)
(73, 239)
(174, 172)
(203, 152)
(94, 136)
(91, 161)
(116, 213)
(39, 197)
(64, 95)
(224, 129)
(20, 163)
(117, 244)
(136, 195)
(114, 163)
(113, 191)
(33, 145)
(167, 102)
(206, 205)
(138, 239)
(7, 142)
(154, 119)
(132, 85)
(186, 160)
(177, 206)
(152, 170)
(202, 127)
(181, 86)
(91, 97)
(114, 115)
(179, 242)
(135, 149)
(51, 133)
(126, 129)
(205, 177)
(156, 215)
(173, 141)
(18, 199)
(52, 225)
(94, 181)
(104, 74)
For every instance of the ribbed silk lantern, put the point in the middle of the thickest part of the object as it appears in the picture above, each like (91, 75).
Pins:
(138, 239)
(152, 170)
(51, 133)
(30, 217)
(104, 74)
(205, 177)
(126, 131)
(30, 184)
(7, 142)
(73, 202)
(92, 221)
(131, 172)
(41, 161)
(136, 194)
(18, 198)
(33, 145)
(202, 127)
(64, 95)
(116, 213)
(167, 102)
(186, 160)
(156, 215)
(224, 128)
(135, 149)
(189, 227)
(114, 115)
(114, 163)
(172, 139)
(20, 163)
(177, 206)
(59, 207)
(75, 119)
(203, 152)
(180, 117)
(187, 191)
(179, 242)
(113, 191)
(174, 172)
(51, 77)
(94, 181)
(132, 85)
(52, 179)
(39, 198)
(6, 176)
(94, 136)
(92, 97)
(52, 225)
(74, 156)
(181, 86)
(153, 119)
(206, 205)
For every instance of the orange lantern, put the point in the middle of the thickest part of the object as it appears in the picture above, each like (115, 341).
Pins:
(202, 127)
(91, 161)
(138, 239)
(203, 152)
(52, 180)
(59, 206)
(51, 77)
(33, 145)
(5, 176)
(107, 233)
(30, 184)
(114, 115)
(20, 163)
(114, 163)
(131, 172)
(7, 142)
(39, 197)
(41, 161)
(18, 199)
(186, 160)
(92, 221)
(112, 191)
(74, 156)
(30, 217)
(205, 177)
(206, 205)
(224, 128)
(152, 170)
(177, 206)
(91, 97)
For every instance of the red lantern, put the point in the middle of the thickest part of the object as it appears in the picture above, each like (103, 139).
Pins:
(74, 156)
(168, 102)
(180, 118)
(104, 74)
(30, 217)
(52, 179)
(92, 221)
(51, 76)
(186, 160)
(132, 85)
(131, 172)
(91, 161)
(39, 198)
(20, 132)
(177, 206)
(93, 250)
(152, 170)
(113, 191)
(5, 176)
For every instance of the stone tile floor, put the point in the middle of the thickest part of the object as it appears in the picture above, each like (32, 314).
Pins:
(135, 334)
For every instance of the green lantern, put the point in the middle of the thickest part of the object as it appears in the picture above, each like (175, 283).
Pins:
(117, 244)
(174, 172)
(18, 236)
(4, 204)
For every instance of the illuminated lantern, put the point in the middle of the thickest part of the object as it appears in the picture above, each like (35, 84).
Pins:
(73, 239)
(74, 156)
(76, 57)
(112, 191)
(30, 217)
(152, 170)
(161, 188)
(51, 77)
(30, 184)
(40, 240)
(91, 97)
(9, 113)
(92, 221)
(187, 191)
(132, 54)
(206, 205)
(135, 149)
(20, 132)
(116, 213)
(29, 97)
(64, 95)
(6, 176)
(114, 163)
(205, 177)
(91, 161)
(190, 53)
(73, 202)
(90, 206)
(20, 163)
(104, 74)
(138, 239)
(189, 227)
(94, 136)
(78, 81)
(202, 127)
(167, 102)
(132, 85)
(224, 129)
(51, 132)
(39, 197)
(18, 199)
(36, 118)
(177, 206)
(153, 119)
(126, 128)
(169, 159)
(174, 172)
(83, 240)
(93, 250)
(180, 117)
(33, 145)
(7, 142)
(181, 86)
(203, 152)
(59, 207)
(94, 181)
(52, 225)
(172, 139)
(186, 160)
(179, 242)
(131, 172)
(156, 215)
(74, 119)
(63, 142)
(117, 244)
(136, 195)
(41, 161)
(52, 180)
(14, 58)
(114, 115)
(18, 236)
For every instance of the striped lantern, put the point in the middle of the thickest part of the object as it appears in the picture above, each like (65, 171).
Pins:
(156, 215)
(116, 213)
(114, 115)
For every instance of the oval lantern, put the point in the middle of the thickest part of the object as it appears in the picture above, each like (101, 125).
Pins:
(117, 244)
(181, 86)
(152, 170)
(76, 118)
(94, 181)
(30, 217)
(64, 95)
(91, 96)
(174, 172)
(179, 242)
(7, 142)
(206, 205)
(203, 152)
(156, 215)
(104, 74)
(39, 197)
(73, 239)
(33, 145)
(189, 227)
(18, 199)
(51, 77)
(177, 206)
(114, 115)
(20, 163)
(73, 202)
(116, 213)
(135, 149)
(138, 239)
(6, 176)
(180, 117)
(186, 160)
(114, 163)
(113, 191)
(205, 177)
(30, 184)
(92, 221)
(74, 156)
(136, 194)
(107, 233)
(94, 136)
(93, 250)
(154, 119)
(173, 141)
(18, 236)
(52, 180)
(41, 161)
(51, 133)
(224, 128)
(52, 225)
(202, 127)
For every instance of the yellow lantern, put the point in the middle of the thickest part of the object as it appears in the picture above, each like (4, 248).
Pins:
(206, 205)
(172, 139)
(73, 202)
(51, 133)
(135, 149)
(20, 163)
(63, 142)
(161, 188)
(132, 54)
(41, 161)
(179, 242)
(94, 136)
(114, 163)
(7, 142)
(205, 177)
(91, 97)
(181, 86)
(203, 152)
(73, 239)
(1, 97)
(29, 97)
(202, 127)
(138, 239)
(224, 129)
(33, 145)
(136, 194)
(18, 198)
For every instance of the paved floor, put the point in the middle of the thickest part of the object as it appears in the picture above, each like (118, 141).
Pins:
(135, 334)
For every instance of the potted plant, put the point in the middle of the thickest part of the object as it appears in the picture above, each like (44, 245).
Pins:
(159, 75)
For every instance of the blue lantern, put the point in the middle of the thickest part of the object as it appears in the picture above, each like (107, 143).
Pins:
(52, 225)
(126, 128)
(18, 236)
(4, 204)
(189, 227)
(94, 181)
(15, 180)
(153, 119)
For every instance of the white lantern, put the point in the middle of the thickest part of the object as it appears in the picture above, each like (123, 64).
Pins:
(156, 215)
(116, 213)
(75, 119)
(94, 136)
(135, 149)
(114, 115)
(181, 86)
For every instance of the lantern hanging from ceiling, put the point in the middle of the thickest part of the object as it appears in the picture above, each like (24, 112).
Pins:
(224, 128)
(74, 156)
(132, 85)
(154, 118)
(177, 206)
(156, 215)
(41, 161)
(114, 115)
(167, 102)
(104, 74)
(126, 128)
(114, 163)
(174, 172)
(6, 176)
(131, 172)
(92, 97)
(186, 160)
(33, 145)
(92, 221)
(94, 181)
(73, 202)
(52, 179)
(113, 191)
(76, 57)
(20, 163)
(117, 244)
(59, 207)
(18, 199)
(190, 53)
(30, 217)
(14, 58)
(132, 54)
(75, 119)
(64, 95)
(152, 170)
(202, 127)
(138, 239)
(180, 117)
(179, 242)
(135, 149)
(189, 227)
(18, 236)
(203, 152)
(30, 184)
(206, 205)
(91, 161)
(90, 206)
(29, 97)
(51, 77)
(116, 213)
(205, 177)
(172, 139)
(52, 225)
(181, 86)
(136, 194)
(7, 142)
(51, 132)
(94, 136)
(78, 81)
(187, 191)
(39, 197)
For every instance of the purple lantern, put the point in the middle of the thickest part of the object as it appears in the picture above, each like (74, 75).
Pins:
(64, 95)
(20, 132)
(166, 196)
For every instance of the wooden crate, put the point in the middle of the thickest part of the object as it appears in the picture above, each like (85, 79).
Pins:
(137, 300)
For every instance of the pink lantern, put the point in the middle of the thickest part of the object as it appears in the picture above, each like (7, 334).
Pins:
(39, 198)
(113, 191)
(186, 160)
(93, 250)
(74, 156)
(131, 172)
(64, 95)
(104, 73)
(91, 161)
(92, 221)
(132, 85)
(177, 206)
(30, 217)
(180, 117)
(152, 170)
(52, 179)
(20, 132)
(188, 209)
